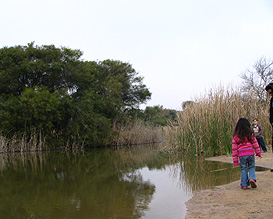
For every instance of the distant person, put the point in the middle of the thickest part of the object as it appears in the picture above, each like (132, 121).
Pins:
(243, 145)
(258, 133)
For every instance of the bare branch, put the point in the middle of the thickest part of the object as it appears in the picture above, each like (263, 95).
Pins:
(255, 80)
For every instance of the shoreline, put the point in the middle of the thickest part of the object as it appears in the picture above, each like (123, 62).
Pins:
(230, 201)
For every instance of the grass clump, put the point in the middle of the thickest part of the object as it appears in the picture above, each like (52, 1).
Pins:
(206, 125)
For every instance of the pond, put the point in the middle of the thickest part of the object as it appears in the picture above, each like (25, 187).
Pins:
(127, 183)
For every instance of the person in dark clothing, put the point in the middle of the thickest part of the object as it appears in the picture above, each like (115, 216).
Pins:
(258, 132)
(269, 89)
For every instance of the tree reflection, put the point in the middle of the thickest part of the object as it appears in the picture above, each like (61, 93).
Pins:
(78, 185)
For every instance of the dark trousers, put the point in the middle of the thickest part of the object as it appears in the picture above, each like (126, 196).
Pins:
(272, 137)
(261, 143)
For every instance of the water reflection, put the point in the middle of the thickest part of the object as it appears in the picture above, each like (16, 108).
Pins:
(169, 199)
(138, 182)
(199, 174)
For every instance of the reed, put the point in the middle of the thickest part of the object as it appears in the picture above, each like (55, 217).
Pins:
(136, 133)
(133, 133)
(207, 124)
(22, 144)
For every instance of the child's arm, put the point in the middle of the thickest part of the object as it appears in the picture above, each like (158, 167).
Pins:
(235, 152)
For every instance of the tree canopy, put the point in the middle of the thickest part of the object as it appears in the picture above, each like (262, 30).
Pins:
(50, 90)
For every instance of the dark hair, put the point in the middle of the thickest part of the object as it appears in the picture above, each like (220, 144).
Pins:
(243, 130)
(269, 87)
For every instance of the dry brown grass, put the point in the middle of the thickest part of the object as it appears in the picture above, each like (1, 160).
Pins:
(15, 144)
(137, 133)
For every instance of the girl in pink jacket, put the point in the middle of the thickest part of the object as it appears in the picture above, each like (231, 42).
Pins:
(243, 145)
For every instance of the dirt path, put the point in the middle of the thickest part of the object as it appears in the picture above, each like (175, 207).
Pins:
(230, 201)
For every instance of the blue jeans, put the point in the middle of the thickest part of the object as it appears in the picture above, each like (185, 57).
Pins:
(247, 164)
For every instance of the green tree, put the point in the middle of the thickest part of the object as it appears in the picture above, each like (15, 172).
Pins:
(28, 66)
(123, 84)
(51, 90)
(157, 115)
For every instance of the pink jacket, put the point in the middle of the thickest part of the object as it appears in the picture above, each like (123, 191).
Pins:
(245, 148)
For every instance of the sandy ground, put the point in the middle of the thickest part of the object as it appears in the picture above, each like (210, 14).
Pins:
(230, 201)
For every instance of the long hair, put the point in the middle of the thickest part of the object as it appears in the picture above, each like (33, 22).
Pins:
(243, 130)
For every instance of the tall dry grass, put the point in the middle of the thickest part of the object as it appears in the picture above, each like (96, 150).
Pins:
(36, 142)
(137, 133)
(207, 124)
(15, 144)
(123, 135)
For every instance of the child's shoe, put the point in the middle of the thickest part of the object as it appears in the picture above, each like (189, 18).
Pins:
(252, 183)
(244, 187)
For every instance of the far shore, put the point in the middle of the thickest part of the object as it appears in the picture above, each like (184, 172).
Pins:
(230, 201)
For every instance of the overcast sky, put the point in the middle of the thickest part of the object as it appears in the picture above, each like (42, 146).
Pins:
(181, 48)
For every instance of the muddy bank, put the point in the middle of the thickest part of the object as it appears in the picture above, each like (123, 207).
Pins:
(230, 201)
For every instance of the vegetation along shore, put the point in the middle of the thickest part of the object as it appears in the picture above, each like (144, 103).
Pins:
(52, 99)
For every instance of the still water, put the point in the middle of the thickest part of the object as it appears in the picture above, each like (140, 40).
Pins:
(128, 183)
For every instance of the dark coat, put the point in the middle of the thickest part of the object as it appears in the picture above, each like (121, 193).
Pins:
(271, 111)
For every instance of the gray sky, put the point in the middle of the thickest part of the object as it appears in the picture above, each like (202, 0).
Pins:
(181, 48)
